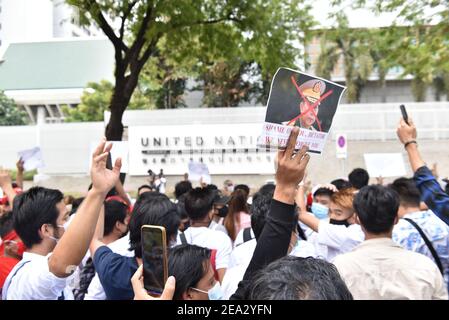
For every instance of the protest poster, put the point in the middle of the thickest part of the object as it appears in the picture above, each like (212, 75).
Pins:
(199, 171)
(385, 164)
(302, 100)
(32, 158)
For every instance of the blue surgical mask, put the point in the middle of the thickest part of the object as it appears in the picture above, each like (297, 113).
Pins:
(320, 211)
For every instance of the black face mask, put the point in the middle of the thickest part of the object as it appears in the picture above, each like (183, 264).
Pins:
(340, 222)
(222, 212)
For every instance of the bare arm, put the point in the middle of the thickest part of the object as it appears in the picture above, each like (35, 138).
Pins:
(121, 192)
(98, 235)
(407, 133)
(6, 185)
(74, 244)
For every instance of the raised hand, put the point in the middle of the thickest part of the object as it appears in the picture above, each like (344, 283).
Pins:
(104, 179)
(5, 178)
(19, 165)
(141, 294)
(405, 132)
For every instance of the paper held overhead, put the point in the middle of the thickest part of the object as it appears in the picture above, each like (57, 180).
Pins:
(385, 164)
(32, 158)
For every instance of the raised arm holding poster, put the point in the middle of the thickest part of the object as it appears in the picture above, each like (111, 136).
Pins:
(302, 100)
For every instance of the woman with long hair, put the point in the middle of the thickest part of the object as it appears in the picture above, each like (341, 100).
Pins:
(238, 217)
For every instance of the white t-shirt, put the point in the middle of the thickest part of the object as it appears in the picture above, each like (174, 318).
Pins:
(31, 279)
(212, 239)
(217, 226)
(239, 238)
(242, 253)
(338, 238)
(95, 290)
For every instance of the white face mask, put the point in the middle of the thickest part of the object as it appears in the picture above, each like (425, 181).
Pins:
(59, 226)
(230, 188)
(214, 293)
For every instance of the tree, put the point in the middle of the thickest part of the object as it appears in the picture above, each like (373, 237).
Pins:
(190, 28)
(10, 115)
(95, 101)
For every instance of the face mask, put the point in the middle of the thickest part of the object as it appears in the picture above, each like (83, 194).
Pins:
(340, 222)
(320, 211)
(222, 212)
(57, 239)
(230, 188)
(215, 293)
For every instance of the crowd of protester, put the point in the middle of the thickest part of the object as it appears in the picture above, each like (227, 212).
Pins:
(340, 240)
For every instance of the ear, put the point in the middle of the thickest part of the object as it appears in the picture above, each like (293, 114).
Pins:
(396, 220)
(187, 295)
(44, 231)
(356, 217)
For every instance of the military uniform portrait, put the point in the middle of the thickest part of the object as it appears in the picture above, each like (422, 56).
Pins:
(299, 99)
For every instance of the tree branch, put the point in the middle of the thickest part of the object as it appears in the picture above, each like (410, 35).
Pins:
(228, 17)
(124, 17)
(107, 29)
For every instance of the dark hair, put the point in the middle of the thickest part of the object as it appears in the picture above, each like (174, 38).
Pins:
(267, 188)
(295, 278)
(199, 202)
(259, 211)
(32, 209)
(211, 187)
(144, 186)
(182, 187)
(409, 194)
(237, 204)
(376, 207)
(341, 184)
(113, 211)
(323, 192)
(75, 204)
(156, 209)
(188, 264)
(181, 207)
(6, 224)
(243, 187)
(359, 178)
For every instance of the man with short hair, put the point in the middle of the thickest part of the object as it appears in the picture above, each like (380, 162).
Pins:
(199, 205)
(53, 253)
(379, 268)
(358, 178)
(181, 188)
(408, 233)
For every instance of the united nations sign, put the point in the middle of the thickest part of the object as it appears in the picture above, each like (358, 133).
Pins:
(224, 148)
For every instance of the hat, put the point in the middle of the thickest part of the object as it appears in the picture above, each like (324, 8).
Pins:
(313, 89)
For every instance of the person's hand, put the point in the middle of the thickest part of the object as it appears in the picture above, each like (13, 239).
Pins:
(19, 165)
(291, 168)
(5, 178)
(435, 170)
(104, 179)
(141, 294)
(329, 186)
(406, 132)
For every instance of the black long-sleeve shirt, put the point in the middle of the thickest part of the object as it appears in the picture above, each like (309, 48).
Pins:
(271, 245)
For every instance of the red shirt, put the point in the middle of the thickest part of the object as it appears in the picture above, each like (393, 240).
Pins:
(6, 265)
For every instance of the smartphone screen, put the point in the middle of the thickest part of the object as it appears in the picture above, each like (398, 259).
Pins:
(154, 256)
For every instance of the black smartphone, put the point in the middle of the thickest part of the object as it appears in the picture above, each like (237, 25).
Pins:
(404, 113)
(154, 257)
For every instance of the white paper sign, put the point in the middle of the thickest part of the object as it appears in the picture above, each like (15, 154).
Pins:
(385, 164)
(198, 170)
(32, 158)
(119, 149)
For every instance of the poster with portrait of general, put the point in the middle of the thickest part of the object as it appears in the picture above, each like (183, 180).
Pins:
(301, 100)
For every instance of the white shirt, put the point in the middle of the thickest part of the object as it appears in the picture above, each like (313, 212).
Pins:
(31, 279)
(241, 257)
(239, 238)
(381, 269)
(212, 239)
(217, 226)
(95, 290)
(338, 239)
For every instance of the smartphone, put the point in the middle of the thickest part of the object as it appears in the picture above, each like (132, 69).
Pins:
(155, 259)
(404, 113)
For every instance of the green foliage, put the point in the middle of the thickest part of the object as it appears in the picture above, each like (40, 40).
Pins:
(96, 99)
(10, 115)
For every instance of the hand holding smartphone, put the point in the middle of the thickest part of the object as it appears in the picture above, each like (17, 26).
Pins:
(155, 258)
